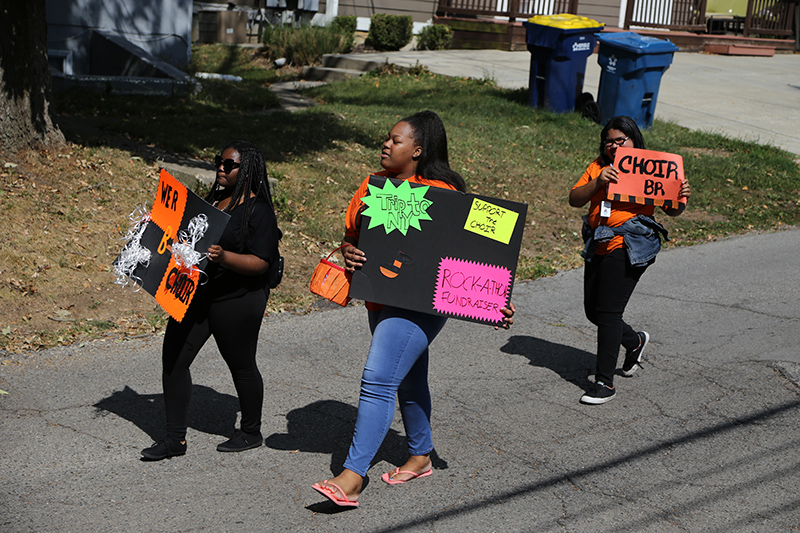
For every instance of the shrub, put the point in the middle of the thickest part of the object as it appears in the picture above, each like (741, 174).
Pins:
(390, 32)
(435, 37)
(344, 24)
(304, 45)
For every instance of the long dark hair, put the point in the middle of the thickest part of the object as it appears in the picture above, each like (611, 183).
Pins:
(627, 126)
(434, 163)
(252, 178)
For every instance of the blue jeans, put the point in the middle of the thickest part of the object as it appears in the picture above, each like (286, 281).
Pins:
(397, 364)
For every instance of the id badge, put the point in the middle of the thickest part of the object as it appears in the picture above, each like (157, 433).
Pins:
(605, 208)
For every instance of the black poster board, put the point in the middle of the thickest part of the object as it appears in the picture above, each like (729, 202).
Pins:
(174, 208)
(438, 251)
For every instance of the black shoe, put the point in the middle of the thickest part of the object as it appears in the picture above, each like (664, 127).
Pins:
(241, 441)
(164, 450)
(600, 393)
(633, 358)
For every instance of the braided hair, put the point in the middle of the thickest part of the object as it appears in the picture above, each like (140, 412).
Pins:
(434, 163)
(252, 178)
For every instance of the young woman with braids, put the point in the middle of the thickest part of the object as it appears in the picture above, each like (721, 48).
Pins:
(230, 305)
(397, 365)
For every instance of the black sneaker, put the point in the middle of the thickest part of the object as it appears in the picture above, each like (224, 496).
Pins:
(164, 450)
(633, 358)
(241, 441)
(600, 393)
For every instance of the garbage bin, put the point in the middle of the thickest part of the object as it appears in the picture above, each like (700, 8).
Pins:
(559, 46)
(630, 76)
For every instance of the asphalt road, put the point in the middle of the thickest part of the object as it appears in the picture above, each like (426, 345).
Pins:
(703, 438)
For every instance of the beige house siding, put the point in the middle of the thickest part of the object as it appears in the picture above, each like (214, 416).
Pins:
(605, 11)
(420, 10)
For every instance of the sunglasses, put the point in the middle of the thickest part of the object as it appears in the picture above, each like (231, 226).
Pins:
(227, 164)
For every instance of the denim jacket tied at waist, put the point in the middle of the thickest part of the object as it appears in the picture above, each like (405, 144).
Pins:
(640, 234)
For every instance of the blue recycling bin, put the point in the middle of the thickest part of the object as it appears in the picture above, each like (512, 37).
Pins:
(559, 46)
(630, 76)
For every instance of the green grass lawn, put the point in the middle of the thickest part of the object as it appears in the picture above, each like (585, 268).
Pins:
(502, 147)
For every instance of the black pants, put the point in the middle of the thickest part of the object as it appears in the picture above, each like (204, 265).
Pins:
(235, 324)
(609, 281)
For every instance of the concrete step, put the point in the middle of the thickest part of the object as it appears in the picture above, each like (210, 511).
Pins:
(330, 74)
(351, 63)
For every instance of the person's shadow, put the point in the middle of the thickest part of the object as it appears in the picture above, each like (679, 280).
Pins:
(570, 363)
(326, 426)
(209, 411)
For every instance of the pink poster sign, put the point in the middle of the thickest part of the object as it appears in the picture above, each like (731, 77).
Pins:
(471, 290)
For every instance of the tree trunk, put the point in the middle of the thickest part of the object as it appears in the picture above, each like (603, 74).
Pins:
(25, 87)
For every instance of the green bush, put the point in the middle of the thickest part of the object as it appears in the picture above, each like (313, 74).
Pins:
(435, 37)
(390, 32)
(305, 45)
(344, 24)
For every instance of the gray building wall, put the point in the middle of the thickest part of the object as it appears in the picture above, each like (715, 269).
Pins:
(161, 27)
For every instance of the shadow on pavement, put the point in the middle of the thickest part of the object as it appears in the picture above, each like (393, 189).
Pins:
(570, 363)
(210, 411)
(730, 429)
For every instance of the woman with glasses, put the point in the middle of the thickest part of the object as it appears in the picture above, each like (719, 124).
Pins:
(229, 306)
(611, 273)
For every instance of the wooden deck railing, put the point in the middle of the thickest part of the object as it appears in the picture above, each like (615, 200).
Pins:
(764, 17)
(683, 15)
(767, 17)
(513, 9)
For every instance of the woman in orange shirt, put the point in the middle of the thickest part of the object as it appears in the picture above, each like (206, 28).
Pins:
(397, 365)
(622, 240)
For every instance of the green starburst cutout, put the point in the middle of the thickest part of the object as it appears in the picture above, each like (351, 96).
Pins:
(397, 208)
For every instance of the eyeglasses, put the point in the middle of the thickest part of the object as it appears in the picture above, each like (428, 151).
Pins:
(618, 141)
(227, 164)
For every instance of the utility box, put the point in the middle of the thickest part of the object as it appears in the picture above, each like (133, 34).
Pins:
(228, 27)
(232, 27)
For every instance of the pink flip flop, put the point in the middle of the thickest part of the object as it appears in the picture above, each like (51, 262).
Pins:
(331, 495)
(387, 477)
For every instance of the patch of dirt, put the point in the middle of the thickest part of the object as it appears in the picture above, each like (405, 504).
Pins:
(67, 212)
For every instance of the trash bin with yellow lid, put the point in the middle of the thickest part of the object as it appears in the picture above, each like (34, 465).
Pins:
(559, 46)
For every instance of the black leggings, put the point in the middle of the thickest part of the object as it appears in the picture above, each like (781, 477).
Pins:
(235, 324)
(609, 281)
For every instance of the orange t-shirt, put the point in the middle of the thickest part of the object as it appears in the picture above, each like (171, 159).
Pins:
(353, 215)
(621, 212)
(352, 219)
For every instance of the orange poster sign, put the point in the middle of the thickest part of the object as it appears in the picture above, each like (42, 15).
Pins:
(169, 205)
(174, 208)
(647, 177)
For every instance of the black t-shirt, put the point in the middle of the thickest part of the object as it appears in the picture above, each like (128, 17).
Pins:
(262, 241)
